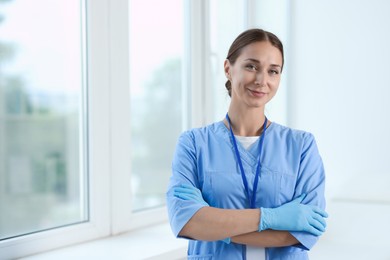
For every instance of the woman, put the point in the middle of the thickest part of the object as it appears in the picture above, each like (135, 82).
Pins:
(246, 187)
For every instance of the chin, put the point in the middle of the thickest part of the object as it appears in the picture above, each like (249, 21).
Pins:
(256, 105)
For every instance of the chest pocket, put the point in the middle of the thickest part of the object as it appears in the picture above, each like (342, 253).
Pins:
(275, 188)
(225, 188)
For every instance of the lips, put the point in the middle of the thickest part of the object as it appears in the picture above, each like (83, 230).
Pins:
(257, 93)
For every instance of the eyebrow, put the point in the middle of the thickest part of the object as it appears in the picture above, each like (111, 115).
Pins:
(257, 61)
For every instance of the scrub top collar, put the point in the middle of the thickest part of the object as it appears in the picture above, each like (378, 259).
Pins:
(249, 156)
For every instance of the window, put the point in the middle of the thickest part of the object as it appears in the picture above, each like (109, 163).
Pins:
(156, 58)
(43, 169)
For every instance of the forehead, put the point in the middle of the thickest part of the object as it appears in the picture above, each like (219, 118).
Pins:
(262, 51)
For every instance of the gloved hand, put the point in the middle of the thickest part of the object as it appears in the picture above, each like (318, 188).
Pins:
(294, 216)
(226, 240)
(187, 192)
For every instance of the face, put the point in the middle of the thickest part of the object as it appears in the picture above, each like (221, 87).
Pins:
(255, 75)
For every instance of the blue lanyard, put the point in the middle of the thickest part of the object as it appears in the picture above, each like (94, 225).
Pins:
(252, 201)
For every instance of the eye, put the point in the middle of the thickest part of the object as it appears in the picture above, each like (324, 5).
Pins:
(251, 67)
(274, 72)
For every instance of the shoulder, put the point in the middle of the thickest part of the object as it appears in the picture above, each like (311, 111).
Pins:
(196, 139)
(291, 135)
(293, 141)
(201, 133)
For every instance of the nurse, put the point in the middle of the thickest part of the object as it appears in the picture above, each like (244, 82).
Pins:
(246, 187)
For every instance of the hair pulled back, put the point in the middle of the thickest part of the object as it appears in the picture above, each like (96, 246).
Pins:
(247, 37)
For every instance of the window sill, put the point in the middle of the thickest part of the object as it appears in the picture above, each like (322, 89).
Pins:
(156, 242)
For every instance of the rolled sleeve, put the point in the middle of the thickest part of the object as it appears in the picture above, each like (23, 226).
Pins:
(311, 181)
(180, 213)
(306, 240)
(183, 172)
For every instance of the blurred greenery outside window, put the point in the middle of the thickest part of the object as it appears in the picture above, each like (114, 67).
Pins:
(42, 168)
(156, 47)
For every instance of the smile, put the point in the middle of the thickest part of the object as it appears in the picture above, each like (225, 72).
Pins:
(257, 93)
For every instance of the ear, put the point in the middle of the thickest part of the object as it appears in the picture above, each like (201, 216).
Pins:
(226, 66)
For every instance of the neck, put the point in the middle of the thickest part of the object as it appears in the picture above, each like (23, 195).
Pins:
(248, 122)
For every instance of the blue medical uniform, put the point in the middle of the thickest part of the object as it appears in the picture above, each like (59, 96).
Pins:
(205, 158)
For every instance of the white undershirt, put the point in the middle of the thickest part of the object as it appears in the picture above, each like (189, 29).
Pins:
(246, 141)
(252, 253)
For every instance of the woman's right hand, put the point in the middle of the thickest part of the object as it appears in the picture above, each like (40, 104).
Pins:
(294, 216)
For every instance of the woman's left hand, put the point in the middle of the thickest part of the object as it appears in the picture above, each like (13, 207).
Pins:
(188, 192)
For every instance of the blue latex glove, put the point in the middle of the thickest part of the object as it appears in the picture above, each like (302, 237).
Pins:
(294, 216)
(226, 240)
(187, 192)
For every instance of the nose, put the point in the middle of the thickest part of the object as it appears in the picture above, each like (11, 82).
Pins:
(261, 78)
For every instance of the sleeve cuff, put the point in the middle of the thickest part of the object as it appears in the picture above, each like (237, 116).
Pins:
(306, 240)
(182, 216)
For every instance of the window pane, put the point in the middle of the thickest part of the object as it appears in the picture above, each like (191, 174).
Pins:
(226, 23)
(41, 134)
(156, 46)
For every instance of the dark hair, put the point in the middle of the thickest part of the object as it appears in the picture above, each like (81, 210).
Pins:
(247, 37)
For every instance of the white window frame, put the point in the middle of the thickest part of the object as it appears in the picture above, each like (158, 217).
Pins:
(99, 148)
(110, 210)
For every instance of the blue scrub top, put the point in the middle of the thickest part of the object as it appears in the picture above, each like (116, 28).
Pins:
(205, 158)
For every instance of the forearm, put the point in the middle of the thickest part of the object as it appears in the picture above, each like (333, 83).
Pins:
(266, 238)
(215, 224)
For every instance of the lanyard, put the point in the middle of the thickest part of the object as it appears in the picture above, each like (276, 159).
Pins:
(252, 201)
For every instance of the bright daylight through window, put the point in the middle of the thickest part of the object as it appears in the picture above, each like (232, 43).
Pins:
(156, 47)
(42, 120)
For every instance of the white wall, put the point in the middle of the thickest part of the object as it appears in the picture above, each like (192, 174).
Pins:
(339, 89)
